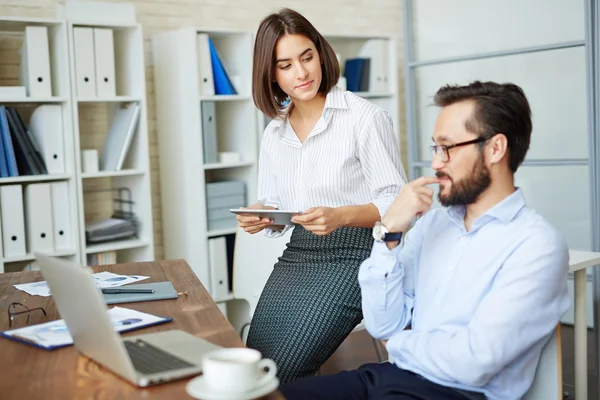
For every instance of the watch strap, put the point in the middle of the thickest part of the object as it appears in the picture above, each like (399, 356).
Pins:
(392, 237)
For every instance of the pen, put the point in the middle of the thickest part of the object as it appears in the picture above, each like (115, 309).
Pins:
(119, 291)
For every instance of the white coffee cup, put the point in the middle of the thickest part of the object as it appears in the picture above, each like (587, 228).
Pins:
(234, 370)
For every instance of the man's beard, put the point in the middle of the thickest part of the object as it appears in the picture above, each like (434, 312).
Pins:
(467, 190)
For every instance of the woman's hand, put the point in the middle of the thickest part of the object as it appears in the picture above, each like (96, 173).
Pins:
(252, 223)
(320, 220)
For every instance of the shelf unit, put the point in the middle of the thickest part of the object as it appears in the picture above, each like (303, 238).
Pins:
(348, 46)
(91, 121)
(184, 173)
(12, 33)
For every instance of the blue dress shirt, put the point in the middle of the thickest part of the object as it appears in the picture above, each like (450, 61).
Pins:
(481, 303)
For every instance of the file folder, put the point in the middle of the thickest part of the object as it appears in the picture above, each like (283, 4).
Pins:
(13, 220)
(61, 219)
(9, 150)
(27, 152)
(38, 218)
(377, 51)
(46, 125)
(104, 48)
(85, 70)
(205, 68)
(120, 135)
(209, 131)
(217, 252)
(35, 62)
(353, 72)
(3, 161)
(221, 78)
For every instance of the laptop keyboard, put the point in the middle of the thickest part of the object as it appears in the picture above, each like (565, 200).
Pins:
(148, 359)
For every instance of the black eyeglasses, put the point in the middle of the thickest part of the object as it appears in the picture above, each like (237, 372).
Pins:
(15, 309)
(442, 150)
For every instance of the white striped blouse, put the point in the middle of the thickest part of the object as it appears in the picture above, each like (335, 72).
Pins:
(350, 157)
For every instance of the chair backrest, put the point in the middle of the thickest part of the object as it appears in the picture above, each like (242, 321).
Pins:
(547, 383)
(253, 260)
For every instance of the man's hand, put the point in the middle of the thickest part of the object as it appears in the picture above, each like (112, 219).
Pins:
(320, 220)
(414, 200)
(251, 223)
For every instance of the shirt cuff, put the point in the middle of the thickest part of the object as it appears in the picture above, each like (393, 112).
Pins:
(272, 233)
(382, 260)
(383, 203)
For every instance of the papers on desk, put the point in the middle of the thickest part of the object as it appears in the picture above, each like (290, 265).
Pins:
(54, 334)
(103, 280)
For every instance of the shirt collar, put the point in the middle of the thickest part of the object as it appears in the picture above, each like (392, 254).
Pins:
(505, 211)
(336, 98)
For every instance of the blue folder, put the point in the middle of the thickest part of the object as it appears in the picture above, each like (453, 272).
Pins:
(222, 82)
(3, 162)
(9, 150)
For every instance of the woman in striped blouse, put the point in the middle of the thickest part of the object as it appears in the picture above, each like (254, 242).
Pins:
(335, 156)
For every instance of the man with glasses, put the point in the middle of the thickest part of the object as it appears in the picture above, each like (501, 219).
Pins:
(465, 300)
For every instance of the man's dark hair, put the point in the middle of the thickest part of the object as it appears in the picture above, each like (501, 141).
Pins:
(499, 108)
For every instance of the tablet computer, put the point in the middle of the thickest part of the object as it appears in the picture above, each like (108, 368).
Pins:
(279, 217)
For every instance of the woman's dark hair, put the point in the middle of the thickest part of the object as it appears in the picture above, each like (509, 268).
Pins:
(266, 93)
(499, 108)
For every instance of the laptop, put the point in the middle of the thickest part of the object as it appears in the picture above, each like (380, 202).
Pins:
(143, 360)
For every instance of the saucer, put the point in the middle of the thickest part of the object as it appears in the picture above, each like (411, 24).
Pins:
(198, 389)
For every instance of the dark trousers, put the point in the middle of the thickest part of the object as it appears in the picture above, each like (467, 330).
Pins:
(373, 382)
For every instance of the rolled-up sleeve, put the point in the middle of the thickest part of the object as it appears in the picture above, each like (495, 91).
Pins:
(380, 160)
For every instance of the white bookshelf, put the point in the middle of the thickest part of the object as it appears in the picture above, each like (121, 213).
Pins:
(12, 31)
(184, 172)
(91, 120)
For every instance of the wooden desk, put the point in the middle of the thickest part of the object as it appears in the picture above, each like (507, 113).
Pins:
(32, 373)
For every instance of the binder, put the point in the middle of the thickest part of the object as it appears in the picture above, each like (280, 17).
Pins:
(61, 219)
(376, 50)
(219, 281)
(85, 70)
(38, 218)
(104, 49)
(13, 220)
(209, 131)
(205, 68)
(46, 125)
(35, 62)
(122, 128)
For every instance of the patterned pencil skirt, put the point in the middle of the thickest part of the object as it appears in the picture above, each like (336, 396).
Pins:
(311, 301)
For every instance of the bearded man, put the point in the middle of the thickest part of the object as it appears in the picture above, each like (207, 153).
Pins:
(466, 299)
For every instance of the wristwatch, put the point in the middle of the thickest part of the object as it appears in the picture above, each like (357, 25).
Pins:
(381, 234)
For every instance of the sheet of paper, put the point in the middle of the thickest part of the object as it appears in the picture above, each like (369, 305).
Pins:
(103, 280)
(55, 334)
